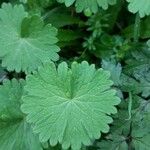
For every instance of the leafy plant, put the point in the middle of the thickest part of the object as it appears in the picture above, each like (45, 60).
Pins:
(74, 75)
(141, 7)
(88, 5)
(71, 102)
(15, 132)
(27, 47)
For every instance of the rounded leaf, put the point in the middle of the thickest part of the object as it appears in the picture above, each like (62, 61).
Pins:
(92, 5)
(25, 42)
(140, 6)
(71, 106)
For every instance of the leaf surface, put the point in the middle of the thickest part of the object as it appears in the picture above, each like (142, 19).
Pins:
(29, 42)
(142, 7)
(91, 5)
(15, 133)
(69, 106)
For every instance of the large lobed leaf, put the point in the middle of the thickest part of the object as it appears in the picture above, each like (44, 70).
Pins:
(140, 129)
(140, 6)
(15, 133)
(139, 68)
(69, 106)
(114, 142)
(133, 133)
(91, 5)
(25, 42)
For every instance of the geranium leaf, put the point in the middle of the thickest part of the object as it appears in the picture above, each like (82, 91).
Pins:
(69, 106)
(142, 7)
(15, 133)
(92, 6)
(114, 142)
(29, 42)
(140, 129)
(114, 69)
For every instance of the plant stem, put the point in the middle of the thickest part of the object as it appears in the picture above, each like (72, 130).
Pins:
(137, 28)
(130, 106)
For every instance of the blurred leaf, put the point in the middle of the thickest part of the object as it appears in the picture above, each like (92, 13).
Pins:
(86, 4)
(68, 37)
(114, 69)
(141, 7)
(61, 16)
(3, 74)
(144, 29)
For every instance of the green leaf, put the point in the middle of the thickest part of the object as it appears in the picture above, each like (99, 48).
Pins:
(82, 5)
(68, 37)
(142, 7)
(148, 43)
(38, 4)
(23, 1)
(87, 12)
(121, 124)
(139, 68)
(54, 15)
(15, 133)
(114, 142)
(31, 42)
(139, 85)
(129, 134)
(140, 61)
(3, 74)
(69, 106)
(142, 143)
(145, 83)
(140, 129)
(128, 32)
(114, 69)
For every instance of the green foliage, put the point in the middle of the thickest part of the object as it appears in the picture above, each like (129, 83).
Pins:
(3, 74)
(27, 47)
(94, 94)
(68, 37)
(60, 17)
(15, 133)
(114, 142)
(144, 29)
(148, 43)
(114, 69)
(88, 4)
(71, 106)
(142, 7)
(133, 133)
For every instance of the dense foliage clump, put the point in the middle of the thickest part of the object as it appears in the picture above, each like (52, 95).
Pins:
(75, 75)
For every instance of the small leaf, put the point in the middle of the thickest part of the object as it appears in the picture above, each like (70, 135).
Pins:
(87, 12)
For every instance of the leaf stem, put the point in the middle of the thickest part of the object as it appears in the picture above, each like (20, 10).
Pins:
(137, 28)
(130, 106)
